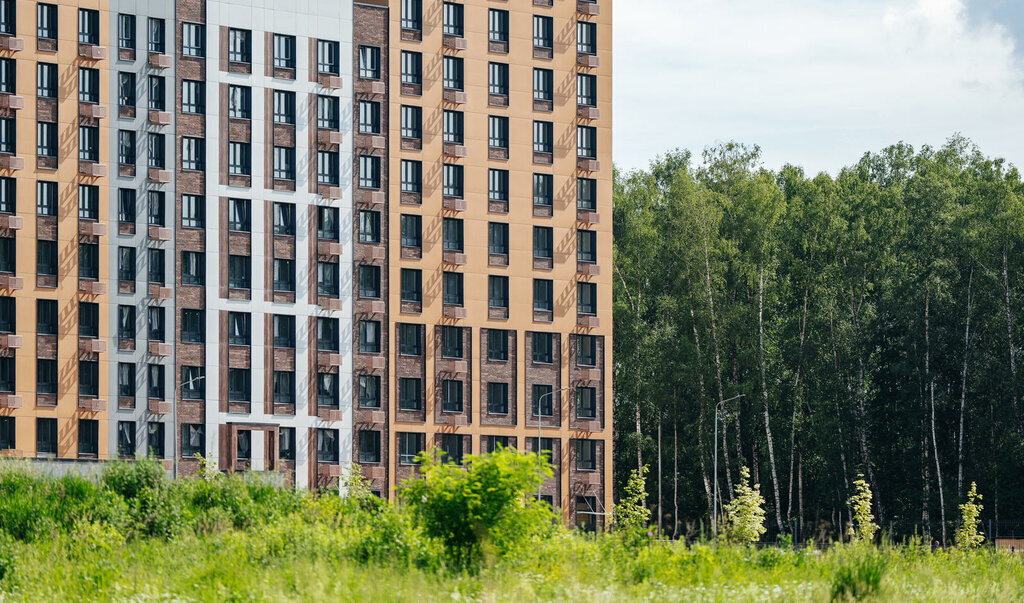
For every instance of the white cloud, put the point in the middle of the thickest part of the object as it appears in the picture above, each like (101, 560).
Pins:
(814, 82)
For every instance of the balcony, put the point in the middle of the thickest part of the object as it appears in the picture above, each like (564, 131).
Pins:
(92, 228)
(10, 341)
(10, 401)
(159, 176)
(159, 348)
(10, 162)
(12, 43)
(160, 407)
(590, 9)
(92, 52)
(92, 287)
(453, 311)
(454, 42)
(588, 321)
(457, 97)
(159, 60)
(11, 222)
(451, 149)
(90, 404)
(91, 345)
(587, 112)
(159, 233)
(159, 118)
(92, 111)
(9, 282)
(92, 169)
(12, 102)
(588, 165)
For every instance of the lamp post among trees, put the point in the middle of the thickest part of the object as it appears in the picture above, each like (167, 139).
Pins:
(714, 506)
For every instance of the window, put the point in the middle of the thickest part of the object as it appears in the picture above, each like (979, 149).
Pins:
(126, 438)
(497, 345)
(327, 227)
(497, 132)
(157, 209)
(452, 234)
(327, 390)
(238, 215)
(88, 378)
(126, 381)
(451, 342)
(284, 275)
(412, 122)
(369, 446)
(412, 176)
(369, 226)
(543, 85)
(369, 391)
(156, 151)
(46, 81)
(240, 102)
(412, 285)
(88, 26)
(586, 455)
(284, 51)
(46, 437)
(8, 195)
(543, 242)
(126, 90)
(157, 324)
(412, 14)
(46, 26)
(497, 80)
(497, 291)
(157, 93)
(155, 440)
(286, 447)
(8, 76)
(238, 159)
(496, 442)
(284, 331)
(193, 439)
(369, 117)
(453, 177)
(453, 24)
(452, 285)
(451, 395)
(454, 131)
(89, 261)
(193, 97)
(327, 167)
(586, 37)
(46, 142)
(193, 154)
(126, 264)
(284, 107)
(410, 445)
(284, 163)
(586, 297)
(243, 445)
(284, 387)
(126, 322)
(193, 326)
(586, 403)
(327, 334)
(497, 398)
(46, 258)
(8, 139)
(412, 68)
(497, 25)
(543, 32)
(327, 445)
(409, 340)
(239, 272)
(328, 112)
(239, 332)
(46, 376)
(328, 281)
(193, 268)
(497, 238)
(88, 437)
(369, 337)
(543, 189)
(46, 198)
(451, 446)
(193, 211)
(369, 281)
(497, 185)
(586, 90)
(586, 142)
(410, 394)
(586, 246)
(193, 40)
(157, 36)
(542, 348)
(88, 143)
(543, 401)
(328, 57)
(369, 62)
(193, 383)
(586, 194)
(239, 46)
(7, 17)
(543, 298)
(8, 255)
(126, 206)
(369, 172)
(7, 314)
(586, 513)
(453, 73)
(46, 317)
(125, 146)
(543, 137)
(239, 385)
(156, 266)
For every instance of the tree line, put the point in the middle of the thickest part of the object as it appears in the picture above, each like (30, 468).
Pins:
(862, 323)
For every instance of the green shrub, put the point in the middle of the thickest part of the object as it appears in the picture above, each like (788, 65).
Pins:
(7, 559)
(968, 535)
(859, 573)
(864, 526)
(744, 516)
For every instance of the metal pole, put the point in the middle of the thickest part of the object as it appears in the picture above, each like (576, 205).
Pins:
(174, 415)
(714, 505)
(539, 400)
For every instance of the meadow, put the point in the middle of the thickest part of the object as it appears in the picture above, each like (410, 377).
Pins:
(133, 535)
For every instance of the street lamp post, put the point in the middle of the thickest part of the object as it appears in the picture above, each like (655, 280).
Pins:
(714, 506)
(539, 400)
(174, 415)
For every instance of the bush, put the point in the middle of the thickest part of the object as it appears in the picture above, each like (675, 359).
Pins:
(968, 535)
(860, 573)
(864, 527)
(744, 516)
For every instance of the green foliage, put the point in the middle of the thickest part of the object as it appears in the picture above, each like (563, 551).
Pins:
(482, 507)
(968, 535)
(630, 514)
(859, 573)
(744, 516)
(864, 527)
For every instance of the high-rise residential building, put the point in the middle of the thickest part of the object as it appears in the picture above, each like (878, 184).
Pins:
(309, 234)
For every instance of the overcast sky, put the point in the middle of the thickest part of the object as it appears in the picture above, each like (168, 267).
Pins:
(817, 82)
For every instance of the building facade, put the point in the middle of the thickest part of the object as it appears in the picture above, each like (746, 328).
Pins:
(309, 234)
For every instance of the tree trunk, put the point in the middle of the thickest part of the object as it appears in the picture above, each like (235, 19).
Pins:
(797, 401)
(700, 413)
(861, 407)
(675, 478)
(718, 355)
(931, 393)
(963, 388)
(661, 515)
(1009, 339)
(764, 395)
(839, 414)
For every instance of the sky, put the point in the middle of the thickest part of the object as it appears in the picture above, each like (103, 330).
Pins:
(817, 83)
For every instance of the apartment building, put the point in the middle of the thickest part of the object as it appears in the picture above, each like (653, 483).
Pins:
(309, 234)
